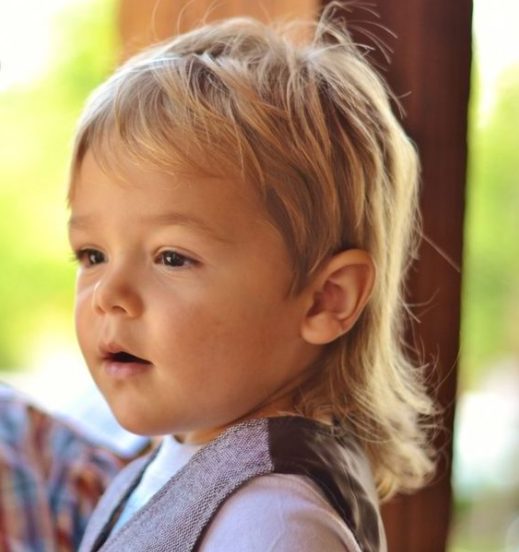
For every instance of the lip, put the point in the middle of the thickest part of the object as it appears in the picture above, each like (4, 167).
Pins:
(116, 368)
(124, 370)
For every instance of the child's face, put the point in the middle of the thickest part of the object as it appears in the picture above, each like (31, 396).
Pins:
(186, 275)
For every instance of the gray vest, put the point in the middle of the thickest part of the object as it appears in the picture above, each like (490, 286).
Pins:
(176, 516)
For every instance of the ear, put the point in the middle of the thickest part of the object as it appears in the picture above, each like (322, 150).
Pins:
(337, 296)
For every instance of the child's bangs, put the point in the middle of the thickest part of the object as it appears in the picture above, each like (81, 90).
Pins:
(157, 118)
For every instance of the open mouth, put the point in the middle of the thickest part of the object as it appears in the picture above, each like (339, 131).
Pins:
(124, 357)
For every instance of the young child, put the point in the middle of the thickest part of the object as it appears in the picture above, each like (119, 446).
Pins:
(242, 210)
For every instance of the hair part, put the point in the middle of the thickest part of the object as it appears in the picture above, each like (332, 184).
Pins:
(310, 127)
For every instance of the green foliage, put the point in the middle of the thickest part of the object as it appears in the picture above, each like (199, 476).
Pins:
(491, 268)
(36, 281)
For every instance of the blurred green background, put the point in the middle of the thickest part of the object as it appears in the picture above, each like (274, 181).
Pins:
(57, 52)
(53, 53)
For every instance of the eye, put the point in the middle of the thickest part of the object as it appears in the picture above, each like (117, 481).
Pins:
(174, 259)
(89, 257)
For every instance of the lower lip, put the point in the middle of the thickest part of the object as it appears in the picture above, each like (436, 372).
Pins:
(123, 370)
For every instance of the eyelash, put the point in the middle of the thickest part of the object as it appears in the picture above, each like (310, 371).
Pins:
(84, 258)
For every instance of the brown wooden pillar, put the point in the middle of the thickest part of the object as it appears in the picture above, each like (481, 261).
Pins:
(430, 72)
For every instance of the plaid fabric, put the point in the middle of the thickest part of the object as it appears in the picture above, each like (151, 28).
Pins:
(51, 479)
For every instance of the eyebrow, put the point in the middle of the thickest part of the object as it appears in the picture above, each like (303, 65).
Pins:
(172, 218)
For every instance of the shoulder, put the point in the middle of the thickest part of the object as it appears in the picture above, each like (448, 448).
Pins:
(281, 513)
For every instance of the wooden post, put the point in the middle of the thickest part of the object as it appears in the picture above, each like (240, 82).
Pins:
(430, 73)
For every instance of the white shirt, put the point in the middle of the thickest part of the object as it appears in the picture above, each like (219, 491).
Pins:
(271, 513)
(171, 456)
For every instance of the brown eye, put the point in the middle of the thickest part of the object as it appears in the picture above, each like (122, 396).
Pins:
(89, 257)
(174, 259)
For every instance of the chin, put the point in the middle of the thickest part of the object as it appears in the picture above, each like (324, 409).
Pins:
(136, 423)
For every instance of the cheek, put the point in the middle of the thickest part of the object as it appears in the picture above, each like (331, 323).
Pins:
(83, 319)
(233, 333)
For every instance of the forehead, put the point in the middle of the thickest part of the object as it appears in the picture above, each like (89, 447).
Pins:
(139, 194)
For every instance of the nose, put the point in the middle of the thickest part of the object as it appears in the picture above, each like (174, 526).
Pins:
(117, 292)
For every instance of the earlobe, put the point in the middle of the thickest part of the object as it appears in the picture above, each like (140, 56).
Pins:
(337, 296)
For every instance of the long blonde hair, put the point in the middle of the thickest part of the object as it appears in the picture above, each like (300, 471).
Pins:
(310, 126)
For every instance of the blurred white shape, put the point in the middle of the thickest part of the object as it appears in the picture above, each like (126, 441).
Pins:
(56, 375)
(512, 536)
(486, 438)
(25, 38)
(496, 46)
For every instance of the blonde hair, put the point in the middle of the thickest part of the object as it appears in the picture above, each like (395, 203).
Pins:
(311, 127)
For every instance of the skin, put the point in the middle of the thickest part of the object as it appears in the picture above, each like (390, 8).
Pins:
(208, 310)
(203, 303)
